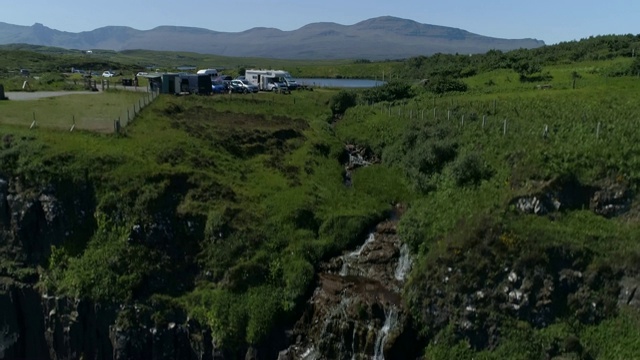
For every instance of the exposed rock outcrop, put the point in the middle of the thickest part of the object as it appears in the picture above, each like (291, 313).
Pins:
(489, 284)
(32, 220)
(611, 198)
(549, 196)
(40, 326)
(608, 197)
(355, 156)
(630, 291)
(357, 312)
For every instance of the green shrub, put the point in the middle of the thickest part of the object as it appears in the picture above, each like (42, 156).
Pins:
(470, 169)
(341, 101)
(298, 275)
(442, 84)
(391, 91)
(263, 310)
(343, 231)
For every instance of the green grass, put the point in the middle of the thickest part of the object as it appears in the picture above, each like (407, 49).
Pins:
(93, 111)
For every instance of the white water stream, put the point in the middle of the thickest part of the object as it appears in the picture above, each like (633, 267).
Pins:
(390, 321)
(344, 271)
(404, 263)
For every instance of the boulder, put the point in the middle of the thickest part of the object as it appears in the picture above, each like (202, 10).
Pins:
(611, 199)
(630, 292)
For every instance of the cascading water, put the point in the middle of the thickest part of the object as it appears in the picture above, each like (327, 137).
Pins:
(353, 342)
(356, 311)
(404, 263)
(347, 259)
(390, 321)
(309, 354)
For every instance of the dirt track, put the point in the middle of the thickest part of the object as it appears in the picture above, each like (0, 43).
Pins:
(26, 95)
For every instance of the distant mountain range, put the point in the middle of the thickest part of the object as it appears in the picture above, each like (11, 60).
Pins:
(374, 39)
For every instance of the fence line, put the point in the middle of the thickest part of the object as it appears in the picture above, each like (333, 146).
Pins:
(488, 118)
(126, 116)
(130, 113)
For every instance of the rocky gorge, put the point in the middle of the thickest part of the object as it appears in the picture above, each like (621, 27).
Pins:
(356, 311)
(364, 305)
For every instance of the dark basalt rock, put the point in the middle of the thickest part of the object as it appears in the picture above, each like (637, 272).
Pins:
(608, 197)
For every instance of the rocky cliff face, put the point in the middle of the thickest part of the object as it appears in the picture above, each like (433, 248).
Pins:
(356, 311)
(34, 325)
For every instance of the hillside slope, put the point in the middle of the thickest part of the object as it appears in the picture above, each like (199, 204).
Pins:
(378, 38)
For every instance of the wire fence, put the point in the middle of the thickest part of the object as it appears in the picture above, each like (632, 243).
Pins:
(582, 119)
(105, 116)
(129, 114)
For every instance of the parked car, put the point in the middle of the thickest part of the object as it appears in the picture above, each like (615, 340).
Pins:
(142, 73)
(277, 86)
(108, 74)
(234, 87)
(219, 87)
(243, 86)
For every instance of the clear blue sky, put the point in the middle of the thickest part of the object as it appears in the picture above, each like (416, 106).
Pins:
(551, 21)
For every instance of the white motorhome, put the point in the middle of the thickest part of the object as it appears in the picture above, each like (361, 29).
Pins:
(212, 72)
(269, 80)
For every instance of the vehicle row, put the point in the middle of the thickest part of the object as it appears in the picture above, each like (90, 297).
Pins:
(224, 84)
(243, 86)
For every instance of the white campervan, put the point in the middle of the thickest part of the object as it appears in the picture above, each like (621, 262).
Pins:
(212, 72)
(266, 79)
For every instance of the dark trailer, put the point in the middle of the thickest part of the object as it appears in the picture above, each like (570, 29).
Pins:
(172, 83)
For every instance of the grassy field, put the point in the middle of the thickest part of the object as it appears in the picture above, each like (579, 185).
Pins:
(94, 112)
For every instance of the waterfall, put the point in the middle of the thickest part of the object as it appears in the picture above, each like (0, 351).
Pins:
(344, 271)
(404, 263)
(353, 341)
(309, 354)
(390, 321)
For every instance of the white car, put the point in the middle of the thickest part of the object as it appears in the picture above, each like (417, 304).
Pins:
(141, 73)
(277, 86)
(108, 74)
(243, 86)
